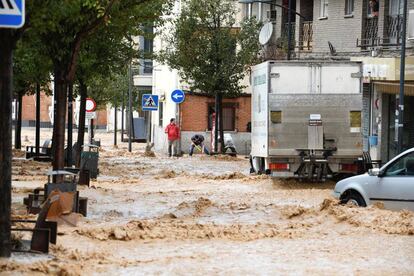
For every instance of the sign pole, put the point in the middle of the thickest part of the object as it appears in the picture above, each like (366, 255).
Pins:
(129, 109)
(90, 131)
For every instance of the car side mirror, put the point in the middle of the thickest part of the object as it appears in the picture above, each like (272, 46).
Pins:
(375, 172)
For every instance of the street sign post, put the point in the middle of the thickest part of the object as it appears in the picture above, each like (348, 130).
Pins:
(150, 102)
(90, 104)
(178, 96)
(90, 115)
(12, 13)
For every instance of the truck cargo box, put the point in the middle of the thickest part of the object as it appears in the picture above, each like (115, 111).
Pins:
(303, 111)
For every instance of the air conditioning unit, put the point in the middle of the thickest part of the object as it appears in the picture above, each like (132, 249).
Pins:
(410, 31)
(271, 15)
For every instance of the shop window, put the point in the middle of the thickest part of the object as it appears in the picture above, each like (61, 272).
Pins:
(276, 117)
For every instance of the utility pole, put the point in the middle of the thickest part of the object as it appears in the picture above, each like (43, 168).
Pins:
(115, 124)
(130, 108)
(123, 116)
(289, 29)
(402, 80)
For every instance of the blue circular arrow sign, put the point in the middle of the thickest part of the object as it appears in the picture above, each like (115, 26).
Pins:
(178, 96)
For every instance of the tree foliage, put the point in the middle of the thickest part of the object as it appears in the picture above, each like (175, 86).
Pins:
(64, 32)
(30, 67)
(211, 52)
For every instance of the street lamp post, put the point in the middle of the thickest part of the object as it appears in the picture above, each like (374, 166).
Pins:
(402, 80)
(289, 29)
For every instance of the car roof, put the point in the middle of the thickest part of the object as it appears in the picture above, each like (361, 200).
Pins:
(398, 156)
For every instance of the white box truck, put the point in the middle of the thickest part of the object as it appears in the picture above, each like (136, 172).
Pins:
(306, 118)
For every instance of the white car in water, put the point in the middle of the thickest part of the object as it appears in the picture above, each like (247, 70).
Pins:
(392, 184)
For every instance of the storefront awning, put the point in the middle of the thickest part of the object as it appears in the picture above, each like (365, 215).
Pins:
(394, 87)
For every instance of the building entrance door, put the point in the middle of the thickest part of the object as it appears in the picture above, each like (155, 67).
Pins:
(408, 131)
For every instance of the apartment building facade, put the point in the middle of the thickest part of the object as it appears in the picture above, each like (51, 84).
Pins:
(357, 31)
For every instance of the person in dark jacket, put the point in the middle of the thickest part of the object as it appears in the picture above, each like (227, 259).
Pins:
(197, 141)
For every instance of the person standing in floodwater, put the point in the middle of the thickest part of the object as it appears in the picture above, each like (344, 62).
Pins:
(173, 133)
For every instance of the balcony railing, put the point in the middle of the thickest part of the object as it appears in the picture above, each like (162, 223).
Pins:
(393, 30)
(369, 33)
(306, 36)
(391, 36)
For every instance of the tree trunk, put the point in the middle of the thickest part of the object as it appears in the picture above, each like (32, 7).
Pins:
(216, 120)
(81, 127)
(6, 75)
(70, 125)
(115, 124)
(123, 116)
(18, 128)
(59, 122)
(221, 130)
(37, 140)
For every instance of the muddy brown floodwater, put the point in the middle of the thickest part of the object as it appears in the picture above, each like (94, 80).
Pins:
(207, 215)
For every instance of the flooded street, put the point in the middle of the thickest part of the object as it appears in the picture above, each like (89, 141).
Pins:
(206, 215)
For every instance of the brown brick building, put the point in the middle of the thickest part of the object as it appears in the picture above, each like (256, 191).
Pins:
(196, 113)
(46, 111)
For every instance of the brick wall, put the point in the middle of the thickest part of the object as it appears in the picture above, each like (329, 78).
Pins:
(194, 112)
(101, 117)
(29, 110)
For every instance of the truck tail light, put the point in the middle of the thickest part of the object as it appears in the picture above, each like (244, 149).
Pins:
(279, 166)
(349, 167)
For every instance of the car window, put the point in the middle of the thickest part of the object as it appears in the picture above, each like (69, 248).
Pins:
(402, 167)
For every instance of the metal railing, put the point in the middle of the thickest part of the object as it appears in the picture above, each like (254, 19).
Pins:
(306, 36)
(391, 35)
(393, 29)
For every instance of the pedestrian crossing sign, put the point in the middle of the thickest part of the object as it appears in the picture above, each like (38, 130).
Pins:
(12, 13)
(150, 102)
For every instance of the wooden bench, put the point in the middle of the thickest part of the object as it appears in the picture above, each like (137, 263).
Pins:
(34, 200)
(43, 232)
(45, 152)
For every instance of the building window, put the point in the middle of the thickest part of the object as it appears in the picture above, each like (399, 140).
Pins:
(349, 7)
(373, 8)
(396, 7)
(324, 8)
(229, 116)
(148, 64)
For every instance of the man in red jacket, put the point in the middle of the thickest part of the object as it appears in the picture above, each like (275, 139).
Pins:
(173, 132)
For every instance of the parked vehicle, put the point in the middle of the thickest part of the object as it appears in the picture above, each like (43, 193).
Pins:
(306, 119)
(392, 184)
